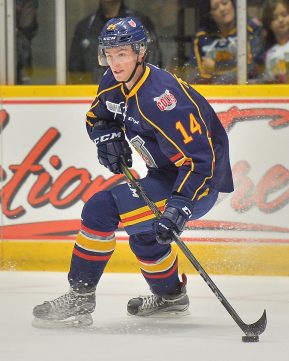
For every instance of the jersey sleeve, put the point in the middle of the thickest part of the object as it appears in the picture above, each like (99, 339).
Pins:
(183, 134)
(99, 108)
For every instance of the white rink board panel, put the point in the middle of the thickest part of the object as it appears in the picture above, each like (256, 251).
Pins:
(49, 169)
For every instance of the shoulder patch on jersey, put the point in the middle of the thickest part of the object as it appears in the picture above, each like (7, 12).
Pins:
(115, 108)
(166, 101)
(132, 23)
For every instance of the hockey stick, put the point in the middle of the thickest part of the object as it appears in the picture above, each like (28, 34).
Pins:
(253, 329)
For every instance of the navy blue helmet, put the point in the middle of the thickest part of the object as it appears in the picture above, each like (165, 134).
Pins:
(120, 32)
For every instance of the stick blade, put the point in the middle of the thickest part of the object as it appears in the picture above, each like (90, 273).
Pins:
(256, 328)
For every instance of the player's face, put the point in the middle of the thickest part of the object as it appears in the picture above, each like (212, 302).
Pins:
(122, 61)
(280, 21)
(222, 12)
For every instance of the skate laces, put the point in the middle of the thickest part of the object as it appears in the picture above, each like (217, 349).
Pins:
(151, 301)
(68, 299)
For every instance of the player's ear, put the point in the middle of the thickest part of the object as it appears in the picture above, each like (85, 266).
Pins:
(142, 52)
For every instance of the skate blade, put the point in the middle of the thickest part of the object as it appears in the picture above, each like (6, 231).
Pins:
(164, 314)
(80, 321)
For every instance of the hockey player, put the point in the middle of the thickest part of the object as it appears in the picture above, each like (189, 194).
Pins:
(186, 152)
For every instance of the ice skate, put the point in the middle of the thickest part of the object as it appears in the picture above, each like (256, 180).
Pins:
(160, 305)
(70, 310)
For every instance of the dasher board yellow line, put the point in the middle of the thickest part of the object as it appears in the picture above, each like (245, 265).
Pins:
(217, 258)
(89, 91)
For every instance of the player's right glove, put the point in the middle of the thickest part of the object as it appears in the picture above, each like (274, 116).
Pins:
(177, 212)
(111, 145)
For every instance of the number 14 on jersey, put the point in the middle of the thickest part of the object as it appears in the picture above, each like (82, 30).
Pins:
(194, 127)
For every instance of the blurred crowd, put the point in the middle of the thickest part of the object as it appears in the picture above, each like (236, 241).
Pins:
(212, 54)
(26, 28)
(214, 46)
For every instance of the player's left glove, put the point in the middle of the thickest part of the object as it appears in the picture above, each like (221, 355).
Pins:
(174, 218)
(111, 145)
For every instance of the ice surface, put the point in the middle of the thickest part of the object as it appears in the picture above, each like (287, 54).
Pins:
(207, 334)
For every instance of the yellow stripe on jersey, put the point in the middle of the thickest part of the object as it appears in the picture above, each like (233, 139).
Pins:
(95, 245)
(139, 84)
(108, 89)
(158, 128)
(176, 146)
(181, 161)
(90, 114)
(204, 194)
(184, 180)
(207, 133)
(94, 105)
(200, 187)
(161, 265)
(140, 214)
(139, 220)
(143, 209)
(89, 123)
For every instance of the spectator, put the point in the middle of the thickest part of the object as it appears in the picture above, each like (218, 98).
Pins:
(276, 25)
(214, 54)
(26, 29)
(83, 62)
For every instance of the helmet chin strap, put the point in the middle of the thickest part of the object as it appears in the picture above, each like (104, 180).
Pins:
(138, 63)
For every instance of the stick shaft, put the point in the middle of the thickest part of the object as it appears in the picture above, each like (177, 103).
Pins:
(248, 329)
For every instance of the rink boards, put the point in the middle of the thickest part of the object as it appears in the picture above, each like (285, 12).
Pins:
(49, 169)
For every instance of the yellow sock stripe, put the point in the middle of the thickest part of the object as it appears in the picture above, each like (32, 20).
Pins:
(161, 265)
(95, 245)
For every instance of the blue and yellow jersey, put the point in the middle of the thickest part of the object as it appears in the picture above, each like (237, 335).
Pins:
(223, 50)
(171, 126)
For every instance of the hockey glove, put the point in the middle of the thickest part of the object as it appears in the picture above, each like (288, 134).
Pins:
(111, 145)
(177, 212)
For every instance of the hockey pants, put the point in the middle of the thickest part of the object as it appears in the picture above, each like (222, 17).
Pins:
(96, 242)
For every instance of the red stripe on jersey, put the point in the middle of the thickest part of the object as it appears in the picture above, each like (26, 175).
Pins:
(176, 157)
(141, 215)
(90, 257)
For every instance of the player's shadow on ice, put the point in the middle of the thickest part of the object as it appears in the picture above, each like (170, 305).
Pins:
(149, 326)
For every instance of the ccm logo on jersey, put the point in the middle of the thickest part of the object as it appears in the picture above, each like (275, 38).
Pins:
(166, 101)
(107, 137)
